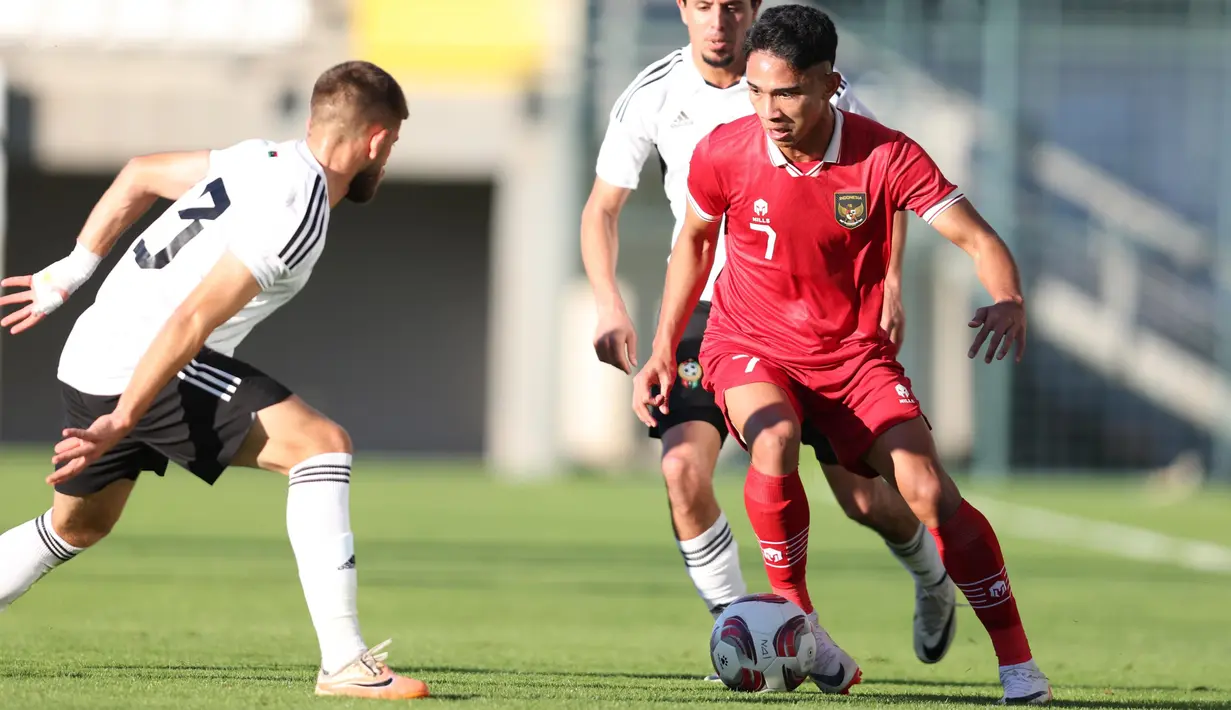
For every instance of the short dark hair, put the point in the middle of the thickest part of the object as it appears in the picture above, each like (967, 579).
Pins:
(802, 36)
(359, 90)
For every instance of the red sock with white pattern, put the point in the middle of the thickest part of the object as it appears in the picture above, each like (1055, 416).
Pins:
(778, 510)
(972, 556)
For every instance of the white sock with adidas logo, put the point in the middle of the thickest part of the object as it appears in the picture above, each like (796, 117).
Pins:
(318, 523)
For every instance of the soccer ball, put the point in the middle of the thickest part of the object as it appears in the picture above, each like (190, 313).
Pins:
(762, 642)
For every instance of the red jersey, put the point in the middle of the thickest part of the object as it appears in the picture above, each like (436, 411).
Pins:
(808, 245)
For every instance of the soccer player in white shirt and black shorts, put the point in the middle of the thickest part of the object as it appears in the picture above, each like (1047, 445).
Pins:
(668, 108)
(148, 374)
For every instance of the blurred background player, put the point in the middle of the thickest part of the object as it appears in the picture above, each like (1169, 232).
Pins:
(668, 108)
(147, 375)
(810, 194)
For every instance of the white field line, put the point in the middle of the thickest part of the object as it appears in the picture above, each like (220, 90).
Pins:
(1113, 539)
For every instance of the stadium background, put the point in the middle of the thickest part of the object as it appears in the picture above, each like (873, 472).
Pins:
(449, 319)
(449, 330)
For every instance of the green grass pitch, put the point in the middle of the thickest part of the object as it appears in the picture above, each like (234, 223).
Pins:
(571, 594)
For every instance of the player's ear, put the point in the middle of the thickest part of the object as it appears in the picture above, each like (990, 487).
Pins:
(681, 4)
(379, 142)
(835, 81)
(825, 78)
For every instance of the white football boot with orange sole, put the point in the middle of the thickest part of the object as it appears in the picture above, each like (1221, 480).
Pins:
(368, 677)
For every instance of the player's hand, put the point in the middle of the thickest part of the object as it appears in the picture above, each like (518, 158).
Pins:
(40, 299)
(615, 340)
(82, 447)
(893, 318)
(659, 370)
(48, 289)
(1005, 323)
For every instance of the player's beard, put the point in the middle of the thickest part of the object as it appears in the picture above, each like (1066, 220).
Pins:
(364, 185)
(718, 61)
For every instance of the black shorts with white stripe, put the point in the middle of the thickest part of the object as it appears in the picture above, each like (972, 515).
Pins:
(199, 420)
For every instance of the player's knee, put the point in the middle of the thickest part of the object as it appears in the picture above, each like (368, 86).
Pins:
(322, 436)
(332, 438)
(686, 478)
(337, 439)
(776, 446)
(681, 470)
(923, 487)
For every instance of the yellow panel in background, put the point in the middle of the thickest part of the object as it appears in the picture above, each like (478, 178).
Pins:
(452, 42)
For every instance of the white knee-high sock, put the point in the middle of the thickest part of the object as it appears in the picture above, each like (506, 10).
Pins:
(27, 552)
(920, 557)
(712, 559)
(318, 523)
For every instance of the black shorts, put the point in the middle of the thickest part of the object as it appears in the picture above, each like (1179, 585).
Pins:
(690, 402)
(199, 421)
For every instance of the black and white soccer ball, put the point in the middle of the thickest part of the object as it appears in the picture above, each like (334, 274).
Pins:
(762, 643)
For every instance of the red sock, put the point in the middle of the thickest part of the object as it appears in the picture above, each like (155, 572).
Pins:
(778, 509)
(971, 554)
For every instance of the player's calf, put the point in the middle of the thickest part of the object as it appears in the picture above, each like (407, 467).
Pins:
(689, 456)
(709, 549)
(315, 454)
(34, 548)
(765, 418)
(967, 543)
(872, 504)
(27, 552)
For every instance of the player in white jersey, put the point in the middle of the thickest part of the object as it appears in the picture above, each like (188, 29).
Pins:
(148, 374)
(668, 108)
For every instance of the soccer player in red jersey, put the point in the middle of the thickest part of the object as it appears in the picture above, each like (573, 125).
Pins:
(809, 193)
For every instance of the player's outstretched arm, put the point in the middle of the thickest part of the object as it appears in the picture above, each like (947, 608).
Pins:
(220, 295)
(1005, 320)
(615, 340)
(135, 189)
(687, 272)
(142, 181)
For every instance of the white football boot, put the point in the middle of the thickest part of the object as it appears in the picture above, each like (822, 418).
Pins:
(368, 677)
(833, 671)
(1024, 684)
(935, 619)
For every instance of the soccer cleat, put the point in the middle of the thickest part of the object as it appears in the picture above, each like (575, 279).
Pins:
(368, 677)
(833, 671)
(1024, 684)
(935, 619)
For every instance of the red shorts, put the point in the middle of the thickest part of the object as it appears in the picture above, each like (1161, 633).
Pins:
(852, 403)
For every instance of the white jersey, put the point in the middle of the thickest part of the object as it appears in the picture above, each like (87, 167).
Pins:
(670, 107)
(264, 202)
